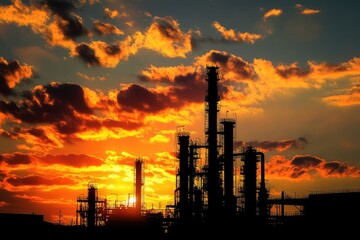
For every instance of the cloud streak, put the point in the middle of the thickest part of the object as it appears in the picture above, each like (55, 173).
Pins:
(282, 145)
(272, 13)
(306, 11)
(232, 35)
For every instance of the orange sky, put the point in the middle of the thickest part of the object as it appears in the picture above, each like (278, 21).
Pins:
(87, 87)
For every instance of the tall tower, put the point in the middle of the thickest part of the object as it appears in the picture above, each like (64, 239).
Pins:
(138, 184)
(229, 197)
(213, 176)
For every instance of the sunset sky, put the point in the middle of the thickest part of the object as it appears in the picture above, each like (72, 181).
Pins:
(88, 86)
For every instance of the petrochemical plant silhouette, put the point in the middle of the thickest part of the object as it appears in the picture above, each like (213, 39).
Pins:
(219, 194)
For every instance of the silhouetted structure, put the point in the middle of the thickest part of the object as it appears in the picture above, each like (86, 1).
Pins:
(222, 195)
(138, 184)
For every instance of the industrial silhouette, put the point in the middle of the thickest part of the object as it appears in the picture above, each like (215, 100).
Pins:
(225, 195)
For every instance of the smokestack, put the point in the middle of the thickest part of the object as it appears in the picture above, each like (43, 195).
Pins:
(213, 176)
(138, 184)
(230, 201)
(183, 138)
(91, 206)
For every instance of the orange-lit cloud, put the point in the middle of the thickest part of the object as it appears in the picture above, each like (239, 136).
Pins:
(106, 28)
(306, 11)
(351, 98)
(90, 78)
(15, 158)
(24, 15)
(39, 139)
(282, 145)
(308, 166)
(159, 138)
(165, 36)
(11, 73)
(272, 13)
(99, 53)
(37, 180)
(74, 160)
(232, 35)
(111, 13)
(233, 68)
(56, 22)
(115, 13)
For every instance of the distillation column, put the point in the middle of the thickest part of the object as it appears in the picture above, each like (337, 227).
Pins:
(229, 197)
(91, 206)
(183, 139)
(138, 184)
(213, 176)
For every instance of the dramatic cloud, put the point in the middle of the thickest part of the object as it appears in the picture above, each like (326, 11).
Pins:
(233, 68)
(306, 11)
(232, 35)
(351, 98)
(165, 36)
(293, 70)
(24, 15)
(106, 28)
(149, 101)
(272, 13)
(74, 160)
(54, 20)
(38, 139)
(49, 104)
(282, 145)
(307, 166)
(38, 180)
(107, 55)
(11, 73)
(15, 158)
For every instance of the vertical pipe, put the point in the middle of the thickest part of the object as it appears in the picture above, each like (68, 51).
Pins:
(230, 204)
(184, 174)
(138, 185)
(282, 204)
(213, 177)
(250, 160)
(191, 176)
(91, 206)
(263, 194)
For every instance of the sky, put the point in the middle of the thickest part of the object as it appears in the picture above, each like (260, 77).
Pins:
(89, 86)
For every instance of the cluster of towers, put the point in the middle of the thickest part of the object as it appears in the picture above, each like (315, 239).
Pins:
(212, 190)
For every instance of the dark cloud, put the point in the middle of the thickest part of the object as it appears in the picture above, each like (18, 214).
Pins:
(339, 168)
(167, 27)
(105, 28)
(274, 145)
(139, 98)
(38, 180)
(74, 160)
(70, 24)
(306, 166)
(306, 161)
(87, 54)
(54, 103)
(15, 158)
(72, 27)
(62, 8)
(229, 63)
(16, 133)
(11, 73)
(291, 71)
